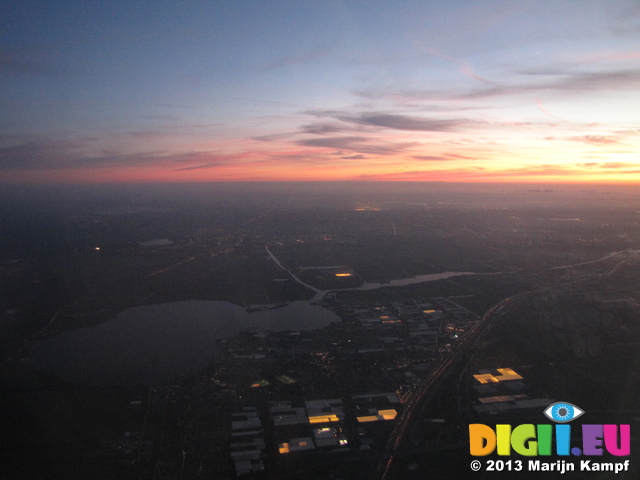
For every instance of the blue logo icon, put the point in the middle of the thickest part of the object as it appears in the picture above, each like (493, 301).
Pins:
(563, 412)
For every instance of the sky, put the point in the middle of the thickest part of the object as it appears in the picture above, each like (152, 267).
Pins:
(275, 90)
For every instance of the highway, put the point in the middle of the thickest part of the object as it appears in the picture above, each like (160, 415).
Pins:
(420, 398)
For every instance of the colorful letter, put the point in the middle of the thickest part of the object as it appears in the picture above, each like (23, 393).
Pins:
(592, 439)
(503, 432)
(523, 440)
(563, 439)
(482, 440)
(611, 437)
(544, 439)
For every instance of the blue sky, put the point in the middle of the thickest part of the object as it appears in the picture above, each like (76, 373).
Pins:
(110, 91)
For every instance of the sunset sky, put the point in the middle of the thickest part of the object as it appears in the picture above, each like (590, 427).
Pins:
(227, 90)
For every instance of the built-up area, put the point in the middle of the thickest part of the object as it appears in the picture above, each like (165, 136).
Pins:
(312, 395)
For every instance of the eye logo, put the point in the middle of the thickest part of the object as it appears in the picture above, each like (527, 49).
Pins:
(563, 412)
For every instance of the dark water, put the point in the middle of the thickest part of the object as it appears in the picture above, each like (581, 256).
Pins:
(151, 345)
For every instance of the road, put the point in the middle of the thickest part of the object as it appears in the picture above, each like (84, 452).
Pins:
(310, 287)
(420, 398)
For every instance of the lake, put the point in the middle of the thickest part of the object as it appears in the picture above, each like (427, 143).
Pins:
(151, 345)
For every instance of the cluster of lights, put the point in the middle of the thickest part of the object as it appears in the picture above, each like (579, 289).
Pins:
(505, 374)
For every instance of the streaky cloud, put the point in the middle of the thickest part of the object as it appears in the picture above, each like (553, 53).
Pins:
(457, 156)
(597, 139)
(200, 167)
(404, 122)
(46, 154)
(548, 80)
(618, 165)
(431, 158)
(37, 154)
(358, 144)
(397, 122)
(322, 128)
(464, 67)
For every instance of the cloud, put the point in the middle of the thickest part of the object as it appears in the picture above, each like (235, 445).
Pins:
(625, 21)
(460, 157)
(609, 56)
(536, 170)
(608, 80)
(431, 158)
(396, 122)
(312, 129)
(200, 167)
(131, 159)
(617, 165)
(204, 160)
(447, 157)
(404, 122)
(546, 111)
(522, 172)
(174, 129)
(596, 139)
(425, 175)
(346, 143)
(36, 155)
(550, 79)
(155, 158)
(271, 138)
(397, 175)
(358, 144)
(322, 128)
(569, 82)
(50, 155)
(464, 67)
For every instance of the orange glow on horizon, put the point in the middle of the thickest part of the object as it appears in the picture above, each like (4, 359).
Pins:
(387, 169)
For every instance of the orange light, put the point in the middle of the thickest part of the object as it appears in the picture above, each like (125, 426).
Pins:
(283, 448)
(382, 415)
(368, 418)
(388, 414)
(324, 418)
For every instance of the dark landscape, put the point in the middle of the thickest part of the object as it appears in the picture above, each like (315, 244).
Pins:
(419, 284)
